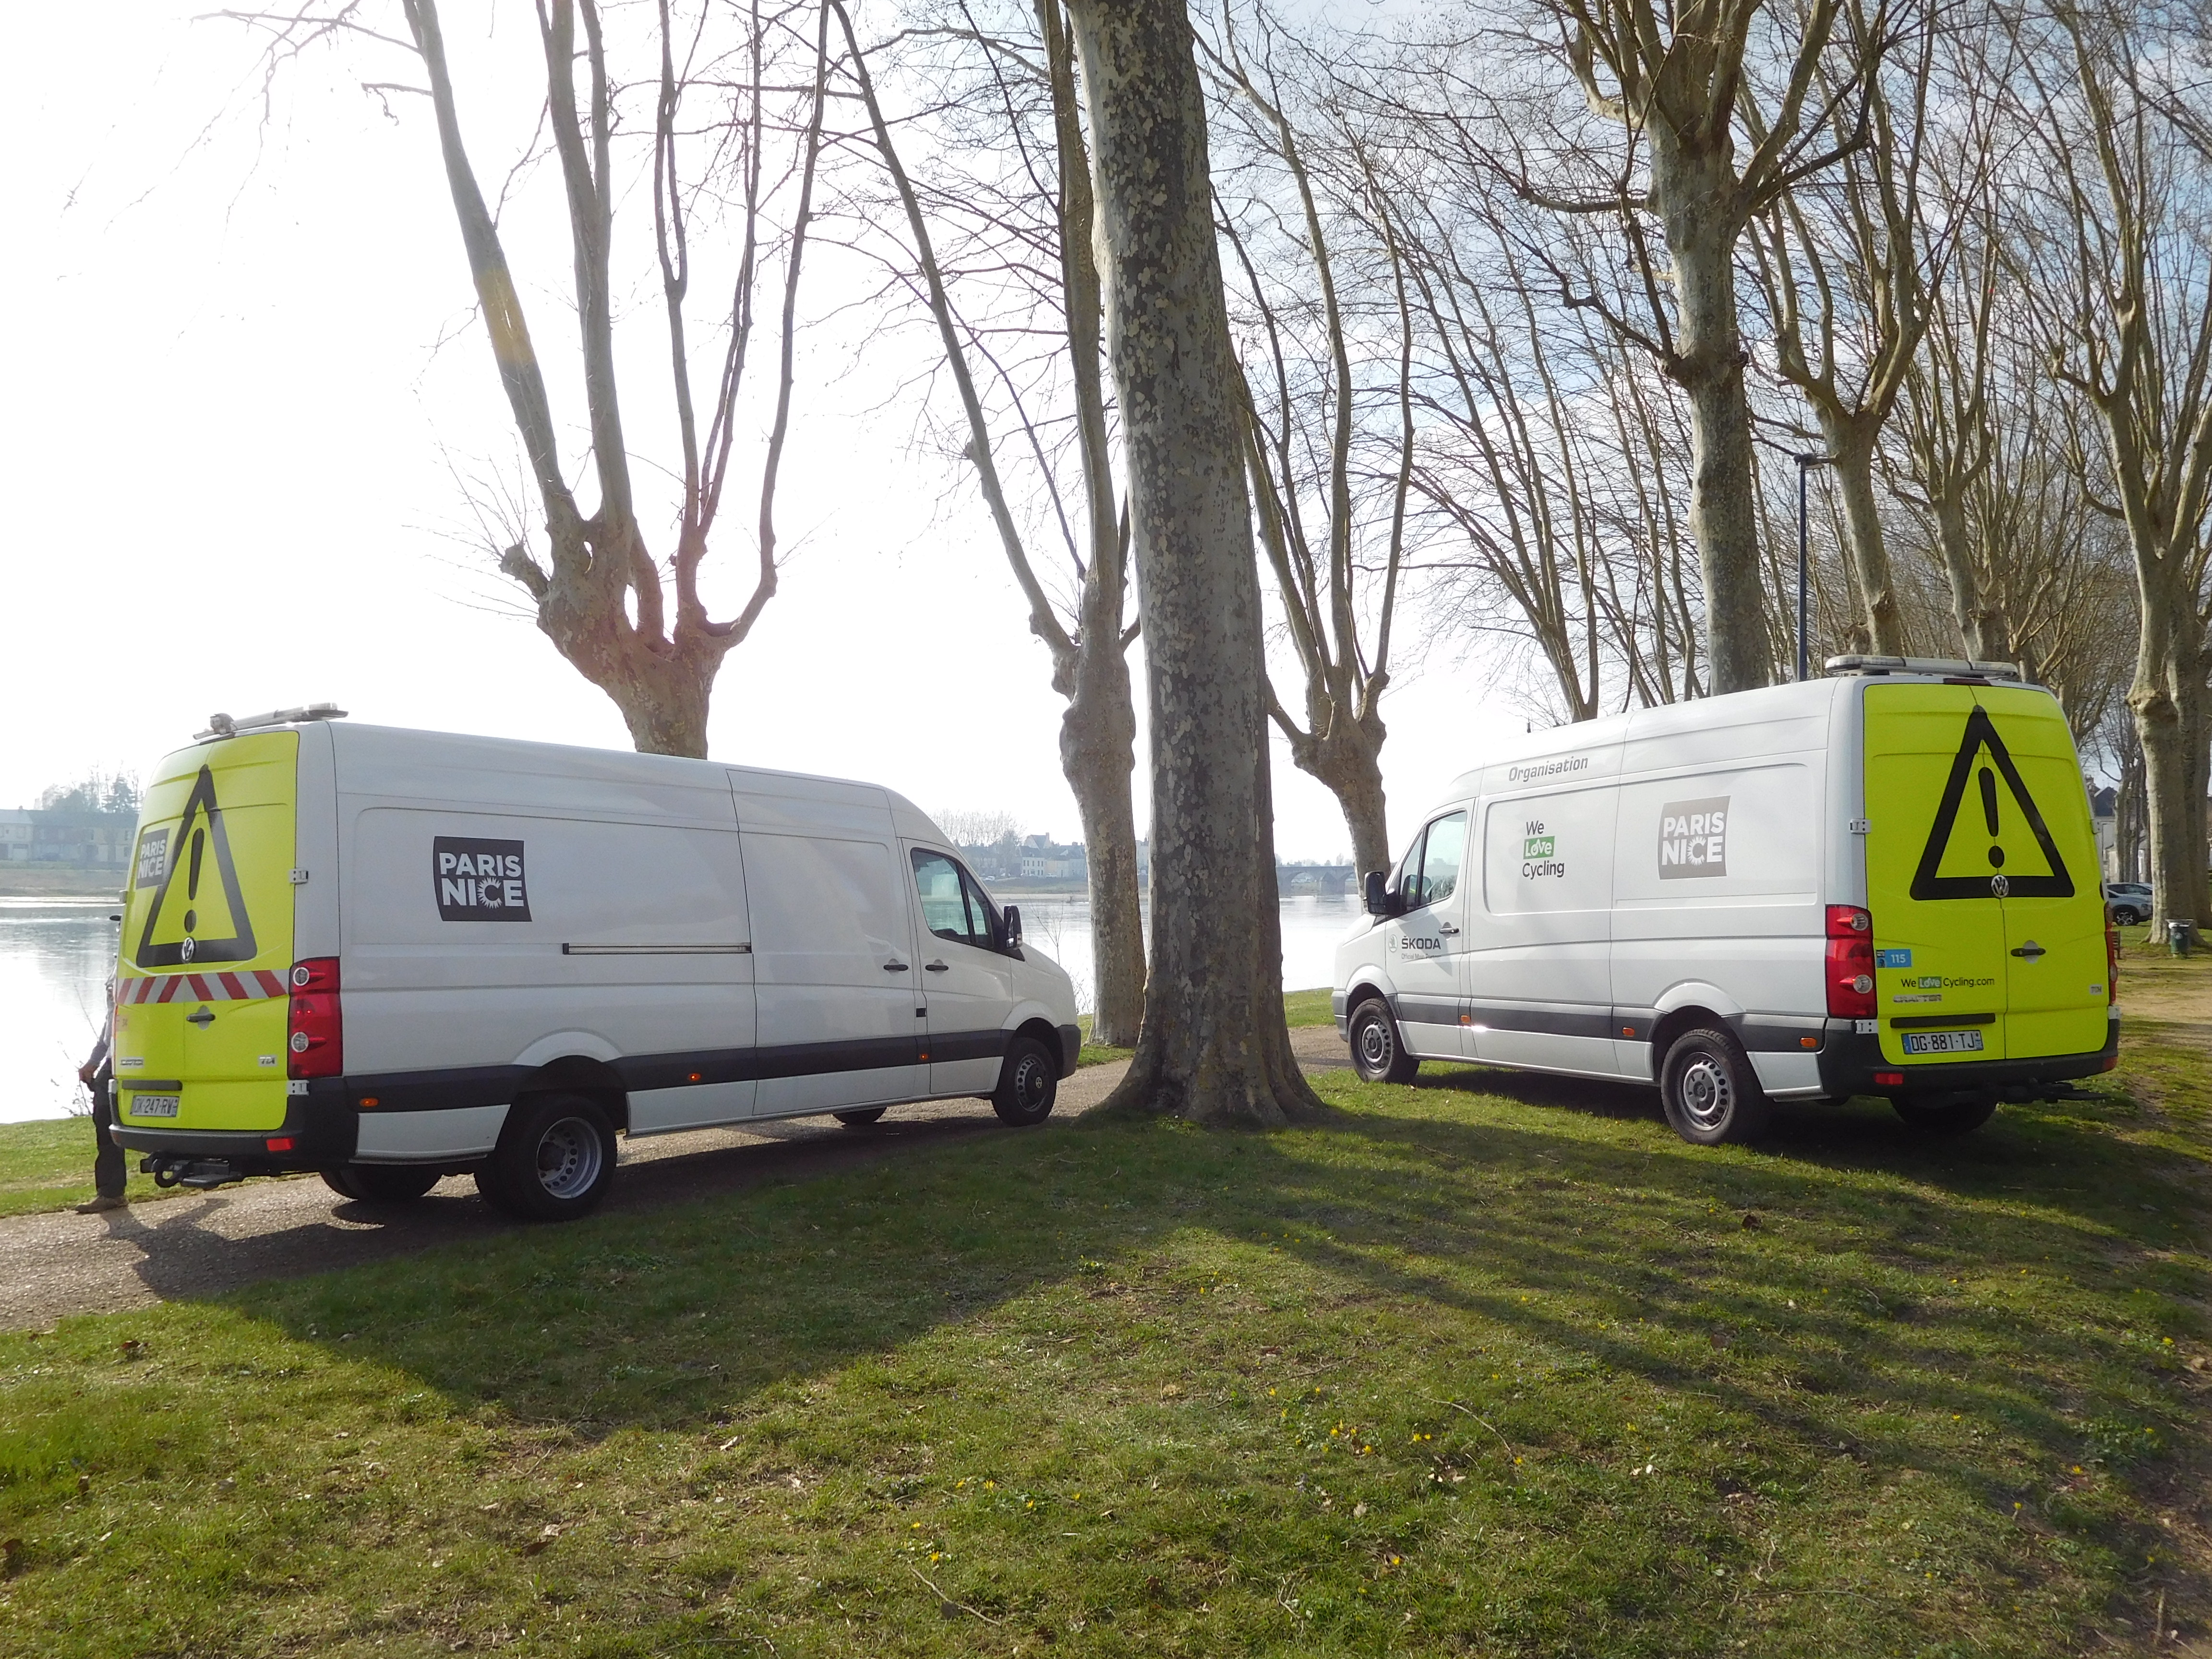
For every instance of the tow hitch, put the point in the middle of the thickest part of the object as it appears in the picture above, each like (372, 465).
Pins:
(198, 1173)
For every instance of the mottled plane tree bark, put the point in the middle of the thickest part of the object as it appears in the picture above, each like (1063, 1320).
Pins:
(1214, 1047)
(1090, 664)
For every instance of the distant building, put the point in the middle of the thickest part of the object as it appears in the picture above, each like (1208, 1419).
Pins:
(37, 835)
(2104, 817)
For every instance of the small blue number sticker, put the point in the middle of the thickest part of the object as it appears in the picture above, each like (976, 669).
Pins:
(1893, 958)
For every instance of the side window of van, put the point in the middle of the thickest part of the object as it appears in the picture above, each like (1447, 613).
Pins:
(952, 907)
(1441, 856)
(1405, 880)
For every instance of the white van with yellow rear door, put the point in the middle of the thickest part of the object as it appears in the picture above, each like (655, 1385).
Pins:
(390, 955)
(1883, 882)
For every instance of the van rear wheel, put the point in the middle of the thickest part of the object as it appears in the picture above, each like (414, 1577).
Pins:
(1709, 1092)
(555, 1160)
(380, 1184)
(1028, 1083)
(859, 1117)
(1378, 1053)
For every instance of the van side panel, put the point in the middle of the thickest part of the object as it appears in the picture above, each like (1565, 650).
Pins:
(1717, 877)
(201, 991)
(473, 935)
(1538, 979)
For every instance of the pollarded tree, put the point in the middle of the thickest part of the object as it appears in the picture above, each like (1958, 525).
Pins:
(600, 594)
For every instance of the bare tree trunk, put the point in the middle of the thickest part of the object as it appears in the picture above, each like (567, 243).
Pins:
(1850, 457)
(1979, 613)
(2168, 701)
(1214, 1045)
(1697, 195)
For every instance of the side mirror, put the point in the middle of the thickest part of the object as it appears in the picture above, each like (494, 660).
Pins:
(1013, 918)
(1378, 897)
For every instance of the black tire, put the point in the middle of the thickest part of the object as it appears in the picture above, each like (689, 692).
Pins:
(859, 1117)
(380, 1184)
(1709, 1092)
(2125, 917)
(1378, 1053)
(555, 1160)
(1028, 1083)
(1957, 1117)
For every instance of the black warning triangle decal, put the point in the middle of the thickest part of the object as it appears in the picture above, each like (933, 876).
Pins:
(1981, 735)
(199, 834)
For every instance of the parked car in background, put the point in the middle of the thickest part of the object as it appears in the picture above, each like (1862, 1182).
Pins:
(2130, 901)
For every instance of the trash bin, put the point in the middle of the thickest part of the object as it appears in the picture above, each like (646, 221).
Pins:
(2179, 930)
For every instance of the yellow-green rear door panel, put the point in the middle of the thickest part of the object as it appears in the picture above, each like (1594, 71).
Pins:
(207, 936)
(2055, 907)
(1982, 872)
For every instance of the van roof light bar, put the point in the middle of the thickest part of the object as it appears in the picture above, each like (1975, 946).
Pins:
(223, 725)
(1950, 667)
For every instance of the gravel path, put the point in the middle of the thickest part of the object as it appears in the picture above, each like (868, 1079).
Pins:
(202, 1245)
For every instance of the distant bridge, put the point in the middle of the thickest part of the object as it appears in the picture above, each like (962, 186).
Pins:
(1294, 880)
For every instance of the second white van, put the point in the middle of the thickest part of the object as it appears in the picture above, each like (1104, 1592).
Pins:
(1883, 882)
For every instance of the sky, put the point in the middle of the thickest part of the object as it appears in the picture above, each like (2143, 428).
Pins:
(244, 389)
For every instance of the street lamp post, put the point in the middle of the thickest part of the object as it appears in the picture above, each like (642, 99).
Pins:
(1805, 463)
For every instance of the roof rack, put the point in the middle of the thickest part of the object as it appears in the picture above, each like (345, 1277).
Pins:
(1950, 667)
(223, 725)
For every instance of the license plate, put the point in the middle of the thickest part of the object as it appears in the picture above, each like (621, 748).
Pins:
(154, 1105)
(1942, 1042)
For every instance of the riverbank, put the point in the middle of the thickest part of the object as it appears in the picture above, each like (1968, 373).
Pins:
(59, 882)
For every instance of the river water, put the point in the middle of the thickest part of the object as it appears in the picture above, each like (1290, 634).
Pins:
(55, 955)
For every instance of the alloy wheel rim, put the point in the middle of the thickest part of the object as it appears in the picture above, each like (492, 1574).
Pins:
(1705, 1092)
(568, 1158)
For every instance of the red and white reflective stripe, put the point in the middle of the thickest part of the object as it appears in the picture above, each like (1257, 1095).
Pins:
(247, 985)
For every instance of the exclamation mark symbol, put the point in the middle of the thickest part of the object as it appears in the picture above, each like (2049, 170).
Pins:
(1989, 817)
(199, 847)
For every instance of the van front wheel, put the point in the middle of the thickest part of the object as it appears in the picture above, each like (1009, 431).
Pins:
(1709, 1092)
(1377, 1055)
(1028, 1083)
(555, 1160)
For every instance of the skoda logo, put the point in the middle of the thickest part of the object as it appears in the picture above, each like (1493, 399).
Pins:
(2000, 887)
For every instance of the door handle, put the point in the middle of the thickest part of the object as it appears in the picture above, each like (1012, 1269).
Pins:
(939, 967)
(1446, 927)
(895, 967)
(204, 1019)
(2031, 951)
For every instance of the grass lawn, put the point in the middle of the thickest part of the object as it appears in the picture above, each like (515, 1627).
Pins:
(1491, 1366)
(47, 1165)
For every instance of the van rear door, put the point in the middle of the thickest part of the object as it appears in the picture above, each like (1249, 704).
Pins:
(2054, 906)
(202, 985)
(1981, 873)
(1939, 925)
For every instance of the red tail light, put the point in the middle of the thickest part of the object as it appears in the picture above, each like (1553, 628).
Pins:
(318, 1027)
(2112, 958)
(1851, 962)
